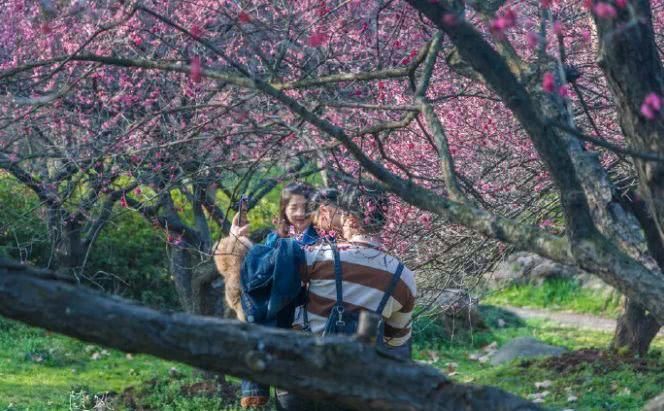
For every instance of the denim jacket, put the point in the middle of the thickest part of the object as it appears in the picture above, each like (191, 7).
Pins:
(270, 279)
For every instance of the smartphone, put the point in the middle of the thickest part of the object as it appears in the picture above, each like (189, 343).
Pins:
(242, 208)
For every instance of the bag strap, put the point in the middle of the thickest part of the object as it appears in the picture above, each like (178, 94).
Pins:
(338, 275)
(305, 314)
(390, 289)
(338, 280)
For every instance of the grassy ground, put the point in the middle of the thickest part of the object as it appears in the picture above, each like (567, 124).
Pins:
(39, 371)
(49, 372)
(557, 294)
(598, 380)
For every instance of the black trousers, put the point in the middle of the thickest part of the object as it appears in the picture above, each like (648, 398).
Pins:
(291, 402)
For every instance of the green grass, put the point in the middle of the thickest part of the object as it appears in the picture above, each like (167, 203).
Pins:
(557, 294)
(39, 371)
(621, 388)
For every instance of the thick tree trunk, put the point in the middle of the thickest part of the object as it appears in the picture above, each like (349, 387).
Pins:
(336, 368)
(630, 60)
(207, 290)
(67, 245)
(62, 238)
(196, 283)
(181, 272)
(635, 331)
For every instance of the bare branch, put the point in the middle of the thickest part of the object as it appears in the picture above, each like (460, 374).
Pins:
(266, 355)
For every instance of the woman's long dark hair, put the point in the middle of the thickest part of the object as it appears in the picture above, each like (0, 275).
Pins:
(281, 221)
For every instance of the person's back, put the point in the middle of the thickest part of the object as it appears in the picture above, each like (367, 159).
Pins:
(367, 273)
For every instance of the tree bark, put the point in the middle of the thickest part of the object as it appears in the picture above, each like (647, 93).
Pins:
(207, 290)
(180, 269)
(630, 60)
(338, 368)
(635, 331)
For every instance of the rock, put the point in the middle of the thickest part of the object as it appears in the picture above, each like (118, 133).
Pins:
(524, 347)
(543, 384)
(523, 267)
(656, 404)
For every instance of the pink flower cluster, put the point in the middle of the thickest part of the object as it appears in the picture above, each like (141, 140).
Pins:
(651, 106)
(604, 10)
(548, 82)
(506, 20)
(316, 39)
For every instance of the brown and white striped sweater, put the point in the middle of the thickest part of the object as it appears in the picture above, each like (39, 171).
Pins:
(367, 272)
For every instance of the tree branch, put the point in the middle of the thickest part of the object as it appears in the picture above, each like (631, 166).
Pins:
(335, 368)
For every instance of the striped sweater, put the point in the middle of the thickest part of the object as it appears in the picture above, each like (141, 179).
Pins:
(366, 272)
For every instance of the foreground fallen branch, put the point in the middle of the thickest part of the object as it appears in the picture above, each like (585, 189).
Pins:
(341, 368)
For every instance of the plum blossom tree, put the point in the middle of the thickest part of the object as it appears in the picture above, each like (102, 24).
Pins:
(534, 124)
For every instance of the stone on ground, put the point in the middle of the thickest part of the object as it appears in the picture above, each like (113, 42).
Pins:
(656, 404)
(524, 347)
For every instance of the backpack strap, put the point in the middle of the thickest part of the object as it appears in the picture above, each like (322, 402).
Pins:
(390, 289)
(338, 279)
(305, 314)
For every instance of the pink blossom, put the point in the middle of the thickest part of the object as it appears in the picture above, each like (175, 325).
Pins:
(425, 219)
(450, 19)
(557, 28)
(505, 21)
(195, 69)
(545, 4)
(316, 39)
(563, 91)
(654, 101)
(137, 191)
(136, 39)
(123, 201)
(243, 17)
(604, 11)
(196, 31)
(510, 16)
(585, 34)
(651, 106)
(647, 112)
(548, 82)
(621, 4)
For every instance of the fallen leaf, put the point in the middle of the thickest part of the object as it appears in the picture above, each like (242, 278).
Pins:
(543, 384)
(483, 359)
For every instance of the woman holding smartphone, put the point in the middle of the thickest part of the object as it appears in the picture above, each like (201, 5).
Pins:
(294, 220)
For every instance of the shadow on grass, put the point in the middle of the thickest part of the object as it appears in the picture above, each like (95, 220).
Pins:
(435, 329)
